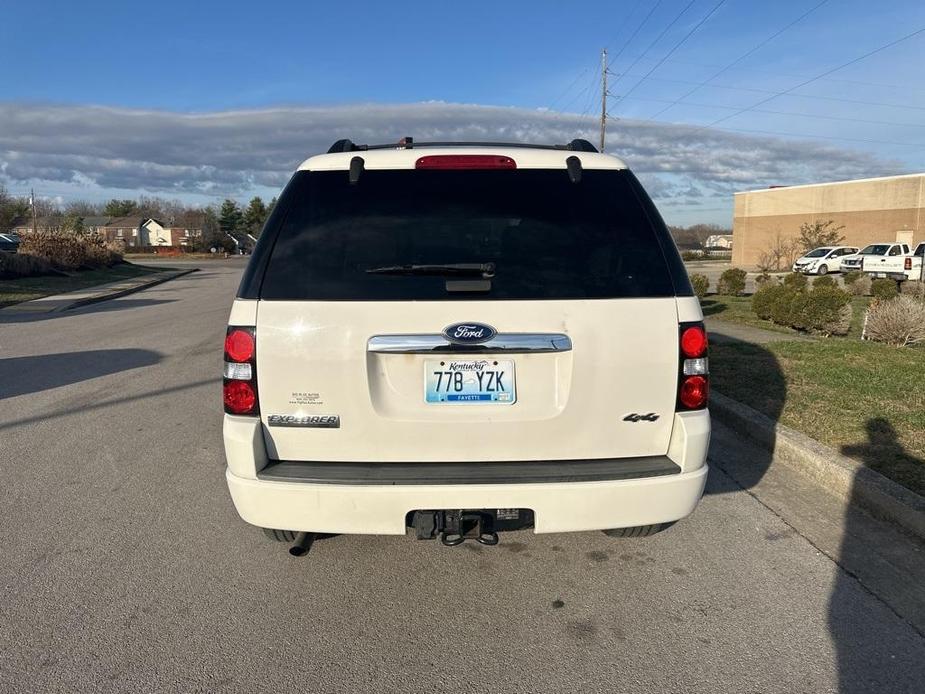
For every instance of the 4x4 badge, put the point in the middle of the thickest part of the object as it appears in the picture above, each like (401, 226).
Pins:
(633, 417)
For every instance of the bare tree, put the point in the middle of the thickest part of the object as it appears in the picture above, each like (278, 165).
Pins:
(780, 254)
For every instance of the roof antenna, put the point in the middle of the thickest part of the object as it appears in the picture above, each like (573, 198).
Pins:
(356, 168)
(573, 164)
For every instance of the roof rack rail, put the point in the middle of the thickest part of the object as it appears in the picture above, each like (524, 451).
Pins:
(576, 145)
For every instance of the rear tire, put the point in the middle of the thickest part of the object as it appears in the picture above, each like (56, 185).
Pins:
(823, 270)
(279, 535)
(638, 531)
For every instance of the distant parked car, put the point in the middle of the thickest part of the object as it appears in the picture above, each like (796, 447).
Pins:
(821, 261)
(896, 266)
(869, 256)
(9, 242)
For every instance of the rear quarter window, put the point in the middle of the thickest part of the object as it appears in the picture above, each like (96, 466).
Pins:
(547, 237)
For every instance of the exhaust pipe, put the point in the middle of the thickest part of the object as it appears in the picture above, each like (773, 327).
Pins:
(303, 543)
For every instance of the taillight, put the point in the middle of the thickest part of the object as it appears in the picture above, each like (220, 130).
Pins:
(908, 264)
(239, 383)
(239, 344)
(465, 161)
(693, 341)
(693, 367)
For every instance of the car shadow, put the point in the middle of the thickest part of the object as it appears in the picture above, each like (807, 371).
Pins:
(33, 374)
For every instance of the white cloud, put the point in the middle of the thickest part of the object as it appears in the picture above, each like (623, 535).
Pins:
(234, 153)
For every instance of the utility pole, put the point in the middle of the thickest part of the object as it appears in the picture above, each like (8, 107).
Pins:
(603, 96)
(32, 202)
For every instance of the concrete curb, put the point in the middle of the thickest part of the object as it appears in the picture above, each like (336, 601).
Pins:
(160, 278)
(850, 479)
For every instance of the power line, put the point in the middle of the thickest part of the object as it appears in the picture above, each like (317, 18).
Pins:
(817, 77)
(802, 96)
(657, 39)
(568, 89)
(776, 113)
(742, 57)
(585, 70)
(912, 145)
(641, 24)
(827, 137)
(674, 48)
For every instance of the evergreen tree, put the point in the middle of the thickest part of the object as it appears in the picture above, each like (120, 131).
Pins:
(230, 219)
(254, 217)
(120, 208)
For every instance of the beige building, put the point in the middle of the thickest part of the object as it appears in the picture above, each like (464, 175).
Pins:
(873, 209)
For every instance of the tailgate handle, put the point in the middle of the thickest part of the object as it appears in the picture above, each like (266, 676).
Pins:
(512, 343)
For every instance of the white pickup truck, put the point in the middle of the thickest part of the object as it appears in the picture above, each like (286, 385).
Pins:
(870, 257)
(894, 264)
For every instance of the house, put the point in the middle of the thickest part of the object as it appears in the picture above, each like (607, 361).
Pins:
(183, 237)
(718, 241)
(132, 231)
(126, 230)
(141, 231)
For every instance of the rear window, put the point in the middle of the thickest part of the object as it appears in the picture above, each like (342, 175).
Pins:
(547, 238)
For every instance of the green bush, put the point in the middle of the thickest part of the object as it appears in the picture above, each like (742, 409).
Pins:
(783, 305)
(691, 255)
(860, 286)
(883, 289)
(731, 282)
(851, 277)
(824, 281)
(764, 299)
(842, 323)
(796, 280)
(823, 308)
(700, 283)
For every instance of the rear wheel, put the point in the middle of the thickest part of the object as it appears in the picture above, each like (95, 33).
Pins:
(638, 531)
(279, 535)
(823, 270)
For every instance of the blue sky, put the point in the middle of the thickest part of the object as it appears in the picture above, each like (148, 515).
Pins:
(198, 98)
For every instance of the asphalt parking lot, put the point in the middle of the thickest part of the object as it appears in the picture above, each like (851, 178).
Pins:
(126, 568)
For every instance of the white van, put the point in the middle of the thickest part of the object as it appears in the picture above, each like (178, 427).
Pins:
(462, 338)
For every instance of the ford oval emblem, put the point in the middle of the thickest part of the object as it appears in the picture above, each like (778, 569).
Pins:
(469, 333)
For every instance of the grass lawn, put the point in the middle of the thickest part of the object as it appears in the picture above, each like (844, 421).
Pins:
(27, 288)
(864, 399)
(738, 309)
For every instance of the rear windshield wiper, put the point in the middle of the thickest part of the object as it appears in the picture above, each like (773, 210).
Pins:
(484, 270)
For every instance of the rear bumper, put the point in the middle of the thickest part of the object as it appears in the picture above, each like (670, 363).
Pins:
(590, 495)
(382, 509)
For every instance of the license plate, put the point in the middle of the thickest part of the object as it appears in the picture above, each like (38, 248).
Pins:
(479, 381)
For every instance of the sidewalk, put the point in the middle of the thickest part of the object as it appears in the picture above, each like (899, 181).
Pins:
(102, 292)
(723, 332)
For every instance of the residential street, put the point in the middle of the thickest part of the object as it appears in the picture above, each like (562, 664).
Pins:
(126, 568)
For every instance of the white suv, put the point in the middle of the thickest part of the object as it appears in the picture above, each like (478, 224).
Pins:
(463, 338)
